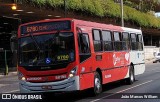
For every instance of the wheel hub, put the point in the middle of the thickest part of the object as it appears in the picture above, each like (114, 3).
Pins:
(97, 84)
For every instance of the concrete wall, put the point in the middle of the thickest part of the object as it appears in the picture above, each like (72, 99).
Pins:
(150, 51)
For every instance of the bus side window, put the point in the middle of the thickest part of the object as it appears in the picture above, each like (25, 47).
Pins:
(107, 40)
(84, 46)
(97, 40)
(133, 41)
(125, 41)
(140, 42)
(117, 41)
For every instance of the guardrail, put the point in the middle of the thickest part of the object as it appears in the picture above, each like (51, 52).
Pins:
(8, 61)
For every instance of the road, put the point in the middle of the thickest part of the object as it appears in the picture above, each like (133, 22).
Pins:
(9, 84)
(145, 84)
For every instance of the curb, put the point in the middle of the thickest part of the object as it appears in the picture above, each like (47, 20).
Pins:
(149, 61)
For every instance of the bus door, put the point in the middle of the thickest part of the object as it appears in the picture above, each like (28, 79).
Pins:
(137, 53)
(85, 66)
(140, 55)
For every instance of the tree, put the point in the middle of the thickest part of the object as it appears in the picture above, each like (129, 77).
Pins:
(143, 5)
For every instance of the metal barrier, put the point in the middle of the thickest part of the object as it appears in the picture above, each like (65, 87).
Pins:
(8, 61)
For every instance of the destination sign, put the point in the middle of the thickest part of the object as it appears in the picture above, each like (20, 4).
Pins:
(45, 27)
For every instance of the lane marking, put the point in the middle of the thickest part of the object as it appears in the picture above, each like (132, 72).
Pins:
(12, 91)
(121, 91)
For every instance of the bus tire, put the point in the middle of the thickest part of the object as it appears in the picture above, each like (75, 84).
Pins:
(97, 84)
(131, 78)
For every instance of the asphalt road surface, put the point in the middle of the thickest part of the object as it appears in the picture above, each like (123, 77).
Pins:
(146, 88)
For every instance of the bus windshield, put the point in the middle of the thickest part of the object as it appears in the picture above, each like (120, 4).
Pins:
(46, 49)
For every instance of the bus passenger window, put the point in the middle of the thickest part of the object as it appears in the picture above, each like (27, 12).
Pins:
(125, 41)
(117, 41)
(133, 41)
(97, 41)
(107, 40)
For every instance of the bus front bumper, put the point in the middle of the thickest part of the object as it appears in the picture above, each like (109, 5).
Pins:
(70, 84)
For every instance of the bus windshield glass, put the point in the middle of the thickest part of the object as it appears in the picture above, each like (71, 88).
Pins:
(46, 49)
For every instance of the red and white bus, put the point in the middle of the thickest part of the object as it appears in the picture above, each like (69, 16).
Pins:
(70, 55)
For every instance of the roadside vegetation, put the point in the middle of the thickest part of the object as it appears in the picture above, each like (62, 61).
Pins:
(105, 8)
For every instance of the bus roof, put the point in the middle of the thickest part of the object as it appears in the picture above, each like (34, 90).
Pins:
(91, 24)
(131, 30)
(48, 20)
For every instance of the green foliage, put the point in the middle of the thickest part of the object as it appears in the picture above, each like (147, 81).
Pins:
(54, 3)
(39, 2)
(74, 4)
(130, 4)
(93, 7)
(98, 7)
(112, 9)
(105, 8)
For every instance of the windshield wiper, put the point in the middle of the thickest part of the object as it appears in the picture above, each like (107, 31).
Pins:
(38, 48)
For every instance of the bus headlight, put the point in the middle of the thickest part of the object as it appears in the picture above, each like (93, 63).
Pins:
(21, 76)
(73, 72)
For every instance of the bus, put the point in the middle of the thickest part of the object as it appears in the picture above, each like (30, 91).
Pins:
(65, 54)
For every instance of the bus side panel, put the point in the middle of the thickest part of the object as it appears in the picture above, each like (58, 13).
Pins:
(107, 76)
(86, 81)
(121, 62)
(137, 58)
(86, 74)
(86, 70)
(114, 66)
(139, 69)
(114, 74)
